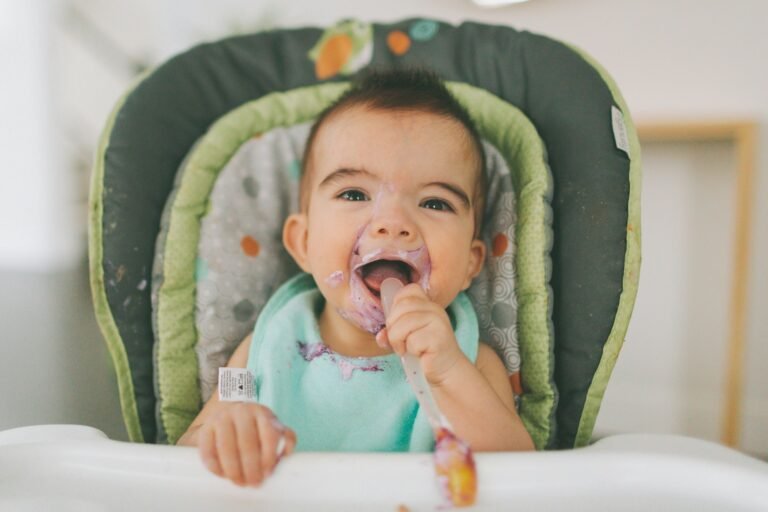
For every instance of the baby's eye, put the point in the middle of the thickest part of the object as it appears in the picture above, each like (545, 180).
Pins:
(353, 195)
(437, 204)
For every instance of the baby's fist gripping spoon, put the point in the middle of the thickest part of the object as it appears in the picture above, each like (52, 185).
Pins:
(454, 463)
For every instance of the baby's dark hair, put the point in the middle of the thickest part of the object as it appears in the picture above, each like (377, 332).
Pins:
(404, 90)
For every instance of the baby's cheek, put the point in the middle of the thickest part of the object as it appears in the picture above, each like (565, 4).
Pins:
(329, 258)
(323, 247)
(444, 287)
(437, 292)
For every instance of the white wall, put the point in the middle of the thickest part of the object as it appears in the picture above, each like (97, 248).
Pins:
(676, 59)
(669, 377)
(37, 227)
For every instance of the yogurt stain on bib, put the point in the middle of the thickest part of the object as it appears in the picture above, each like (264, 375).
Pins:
(346, 365)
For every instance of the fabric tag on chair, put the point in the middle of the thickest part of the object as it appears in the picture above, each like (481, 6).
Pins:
(619, 130)
(236, 385)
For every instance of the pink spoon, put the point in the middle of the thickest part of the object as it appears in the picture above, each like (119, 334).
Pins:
(454, 463)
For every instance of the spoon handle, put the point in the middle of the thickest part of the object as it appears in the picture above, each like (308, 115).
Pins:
(454, 462)
(420, 387)
(412, 367)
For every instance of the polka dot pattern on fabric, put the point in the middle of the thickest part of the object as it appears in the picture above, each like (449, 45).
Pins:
(423, 30)
(250, 246)
(398, 42)
(243, 310)
(250, 186)
(500, 244)
(503, 315)
(294, 169)
(517, 385)
(241, 257)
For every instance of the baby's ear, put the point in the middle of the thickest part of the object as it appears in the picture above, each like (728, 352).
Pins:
(476, 261)
(295, 239)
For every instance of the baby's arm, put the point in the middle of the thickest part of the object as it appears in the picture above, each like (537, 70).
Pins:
(238, 441)
(477, 400)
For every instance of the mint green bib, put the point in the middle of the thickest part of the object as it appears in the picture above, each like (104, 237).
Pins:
(334, 402)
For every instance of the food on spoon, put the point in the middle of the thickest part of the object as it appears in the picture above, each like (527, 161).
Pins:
(455, 467)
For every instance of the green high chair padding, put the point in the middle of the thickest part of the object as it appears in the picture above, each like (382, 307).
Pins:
(575, 310)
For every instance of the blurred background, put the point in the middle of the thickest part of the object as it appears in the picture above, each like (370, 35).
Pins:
(684, 66)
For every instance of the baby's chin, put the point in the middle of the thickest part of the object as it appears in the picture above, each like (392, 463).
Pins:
(371, 321)
(363, 307)
(358, 305)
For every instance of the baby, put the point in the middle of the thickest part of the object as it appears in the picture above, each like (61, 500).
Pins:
(392, 186)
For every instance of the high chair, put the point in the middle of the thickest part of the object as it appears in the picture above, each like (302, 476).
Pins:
(198, 166)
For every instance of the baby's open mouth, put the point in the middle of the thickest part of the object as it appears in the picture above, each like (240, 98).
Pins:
(369, 270)
(375, 272)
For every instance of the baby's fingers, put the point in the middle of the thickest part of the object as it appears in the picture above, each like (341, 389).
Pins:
(250, 448)
(227, 449)
(381, 338)
(402, 334)
(272, 442)
(207, 450)
(290, 442)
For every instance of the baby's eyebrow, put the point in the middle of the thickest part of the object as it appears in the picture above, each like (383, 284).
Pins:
(454, 189)
(340, 174)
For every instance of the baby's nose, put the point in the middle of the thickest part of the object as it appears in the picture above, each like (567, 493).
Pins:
(393, 227)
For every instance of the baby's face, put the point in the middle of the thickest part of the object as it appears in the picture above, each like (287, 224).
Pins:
(390, 196)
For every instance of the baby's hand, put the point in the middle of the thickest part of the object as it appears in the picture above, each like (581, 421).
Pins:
(418, 326)
(241, 442)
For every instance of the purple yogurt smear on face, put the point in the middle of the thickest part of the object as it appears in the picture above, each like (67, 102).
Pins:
(368, 313)
(335, 279)
(347, 365)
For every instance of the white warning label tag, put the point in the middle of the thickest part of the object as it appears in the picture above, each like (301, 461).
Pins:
(619, 130)
(236, 385)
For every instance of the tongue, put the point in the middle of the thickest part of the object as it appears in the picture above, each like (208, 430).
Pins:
(375, 273)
